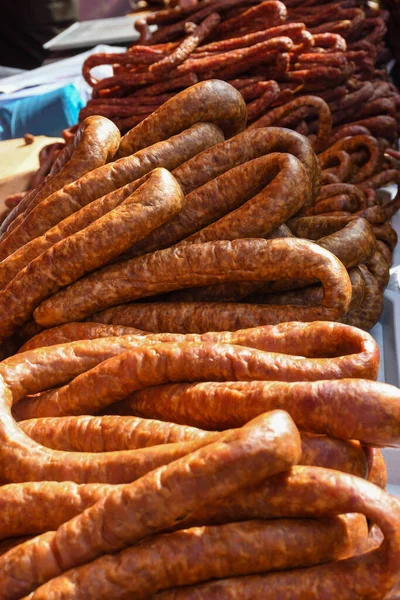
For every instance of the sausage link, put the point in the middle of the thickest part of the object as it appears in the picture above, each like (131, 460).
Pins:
(240, 260)
(155, 201)
(379, 268)
(107, 433)
(71, 332)
(316, 227)
(386, 234)
(342, 202)
(309, 491)
(368, 314)
(37, 507)
(75, 399)
(345, 409)
(239, 458)
(94, 144)
(244, 147)
(333, 350)
(214, 101)
(99, 182)
(249, 200)
(339, 455)
(386, 252)
(324, 118)
(377, 471)
(353, 191)
(141, 570)
(311, 295)
(338, 163)
(354, 144)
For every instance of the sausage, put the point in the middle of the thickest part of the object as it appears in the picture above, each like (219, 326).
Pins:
(342, 202)
(214, 101)
(71, 332)
(114, 433)
(249, 547)
(244, 147)
(345, 167)
(239, 458)
(240, 260)
(155, 201)
(168, 154)
(379, 268)
(316, 227)
(377, 471)
(74, 398)
(353, 144)
(94, 144)
(353, 191)
(249, 200)
(308, 491)
(37, 507)
(312, 294)
(386, 252)
(340, 350)
(345, 409)
(324, 118)
(368, 314)
(108, 433)
(386, 234)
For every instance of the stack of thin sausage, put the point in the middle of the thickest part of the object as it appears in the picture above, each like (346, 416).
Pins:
(222, 496)
(210, 232)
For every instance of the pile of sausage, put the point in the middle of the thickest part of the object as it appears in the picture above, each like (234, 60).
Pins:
(225, 465)
(197, 232)
(271, 51)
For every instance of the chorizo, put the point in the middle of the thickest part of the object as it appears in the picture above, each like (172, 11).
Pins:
(239, 458)
(214, 101)
(239, 260)
(155, 201)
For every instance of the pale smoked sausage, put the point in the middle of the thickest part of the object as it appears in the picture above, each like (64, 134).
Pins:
(244, 147)
(250, 200)
(104, 180)
(313, 492)
(215, 101)
(154, 202)
(345, 409)
(189, 556)
(202, 264)
(157, 501)
(71, 332)
(333, 351)
(94, 144)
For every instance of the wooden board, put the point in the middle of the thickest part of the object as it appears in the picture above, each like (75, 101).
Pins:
(18, 162)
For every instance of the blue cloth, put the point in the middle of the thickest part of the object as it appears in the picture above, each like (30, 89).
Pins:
(47, 114)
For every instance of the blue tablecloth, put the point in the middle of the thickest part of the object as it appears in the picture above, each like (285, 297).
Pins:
(46, 114)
